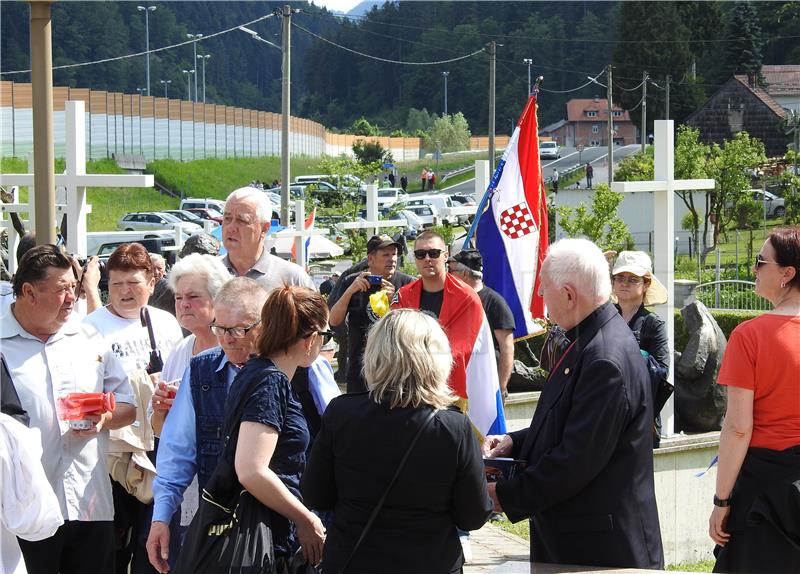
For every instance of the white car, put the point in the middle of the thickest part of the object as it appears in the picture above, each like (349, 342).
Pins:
(427, 214)
(153, 220)
(549, 150)
(195, 202)
(388, 196)
(775, 206)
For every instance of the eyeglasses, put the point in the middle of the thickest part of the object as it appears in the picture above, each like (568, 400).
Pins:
(432, 253)
(326, 336)
(761, 261)
(235, 332)
(621, 279)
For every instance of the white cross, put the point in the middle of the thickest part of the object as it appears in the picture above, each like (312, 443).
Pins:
(664, 187)
(75, 180)
(372, 223)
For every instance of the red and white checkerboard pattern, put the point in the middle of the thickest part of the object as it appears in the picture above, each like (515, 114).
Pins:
(517, 221)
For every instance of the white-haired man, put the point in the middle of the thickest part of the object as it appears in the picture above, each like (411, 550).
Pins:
(245, 223)
(588, 483)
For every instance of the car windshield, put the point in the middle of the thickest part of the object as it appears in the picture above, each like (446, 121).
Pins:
(171, 218)
(387, 193)
(548, 145)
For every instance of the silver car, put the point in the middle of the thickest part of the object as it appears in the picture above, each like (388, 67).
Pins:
(147, 220)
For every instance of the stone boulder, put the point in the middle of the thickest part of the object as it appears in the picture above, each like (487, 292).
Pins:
(699, 402)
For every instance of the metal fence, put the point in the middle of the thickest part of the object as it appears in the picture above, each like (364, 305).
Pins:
(731, 295)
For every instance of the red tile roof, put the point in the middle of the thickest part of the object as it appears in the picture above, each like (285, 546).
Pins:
(782, 80)
(577, 108)
(763, 96)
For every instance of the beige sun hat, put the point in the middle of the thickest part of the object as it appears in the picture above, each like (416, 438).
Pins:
(639, 264)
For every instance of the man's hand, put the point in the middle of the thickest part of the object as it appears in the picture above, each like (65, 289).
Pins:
(493, 495)
(360, 283)
(164, 396)
(158, 546)
(91, 274)
(99, 422)
(495, 446)
(387, 286)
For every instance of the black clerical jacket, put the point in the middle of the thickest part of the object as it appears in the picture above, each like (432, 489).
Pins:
(588, 485)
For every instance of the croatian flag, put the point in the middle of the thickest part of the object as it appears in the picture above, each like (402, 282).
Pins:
(308, 226)
(473, 377)
(512, 232)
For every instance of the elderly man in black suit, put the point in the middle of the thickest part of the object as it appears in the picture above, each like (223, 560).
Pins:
(588, 482)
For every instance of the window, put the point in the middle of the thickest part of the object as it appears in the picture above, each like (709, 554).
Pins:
(591, 114)
(595, 129)
(594, 143)
(616, 114)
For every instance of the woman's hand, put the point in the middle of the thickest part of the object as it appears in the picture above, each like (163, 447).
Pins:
(717, 525)
(311, 535)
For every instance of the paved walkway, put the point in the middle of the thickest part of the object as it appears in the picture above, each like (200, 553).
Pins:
(492, 546)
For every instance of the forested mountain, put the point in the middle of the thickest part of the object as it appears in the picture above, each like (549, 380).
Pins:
(567, 41)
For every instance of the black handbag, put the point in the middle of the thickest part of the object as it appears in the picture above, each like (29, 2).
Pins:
(231, 532)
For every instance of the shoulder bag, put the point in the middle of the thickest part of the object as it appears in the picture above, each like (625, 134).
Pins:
(231, 532)
(378, 506)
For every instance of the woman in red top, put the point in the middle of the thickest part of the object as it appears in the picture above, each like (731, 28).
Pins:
(756, 506)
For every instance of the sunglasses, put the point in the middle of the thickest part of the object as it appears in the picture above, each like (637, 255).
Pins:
(432, 253)
(761, 261)
(235, 332)
(326, 336)
(621, 279)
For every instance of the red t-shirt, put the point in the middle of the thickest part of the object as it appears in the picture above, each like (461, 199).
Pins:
(763, 355)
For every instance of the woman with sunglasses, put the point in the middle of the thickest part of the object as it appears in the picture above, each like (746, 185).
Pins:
(756, 504)
(273, 437)
(635, 288)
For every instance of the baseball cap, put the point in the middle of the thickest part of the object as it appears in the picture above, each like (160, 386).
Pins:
(381, 241)
(469, 258)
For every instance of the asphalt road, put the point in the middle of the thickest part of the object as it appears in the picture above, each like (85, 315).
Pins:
(570, 157)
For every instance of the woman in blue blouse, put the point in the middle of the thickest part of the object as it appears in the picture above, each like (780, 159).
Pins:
(271, 450)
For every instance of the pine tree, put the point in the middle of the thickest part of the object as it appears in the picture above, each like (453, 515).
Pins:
(743, 53)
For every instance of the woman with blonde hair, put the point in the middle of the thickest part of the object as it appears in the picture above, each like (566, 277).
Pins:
(403, 430)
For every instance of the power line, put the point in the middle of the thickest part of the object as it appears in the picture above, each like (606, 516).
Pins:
(388, 61)
(153, 51)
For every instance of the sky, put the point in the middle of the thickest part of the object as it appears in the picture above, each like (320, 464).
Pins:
(337, 5)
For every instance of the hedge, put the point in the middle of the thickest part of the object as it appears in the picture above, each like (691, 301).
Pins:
(727, 321)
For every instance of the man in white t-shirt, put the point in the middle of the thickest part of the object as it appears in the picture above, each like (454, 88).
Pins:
(245, 223)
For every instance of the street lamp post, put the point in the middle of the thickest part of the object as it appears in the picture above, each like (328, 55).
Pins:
(529, 63)
(196, 37)
(147, 10)
(203, 58)
(142, 92)
(445, 74)
(189, 81)
(166, 84)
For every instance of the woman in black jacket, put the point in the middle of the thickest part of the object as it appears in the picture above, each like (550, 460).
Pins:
(362, 440)
(635, 288)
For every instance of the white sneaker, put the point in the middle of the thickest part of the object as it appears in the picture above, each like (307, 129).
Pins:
(466, 548)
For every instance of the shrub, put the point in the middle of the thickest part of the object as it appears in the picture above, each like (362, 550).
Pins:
(727, 321)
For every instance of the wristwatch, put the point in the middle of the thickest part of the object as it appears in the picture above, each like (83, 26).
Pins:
(722, 502)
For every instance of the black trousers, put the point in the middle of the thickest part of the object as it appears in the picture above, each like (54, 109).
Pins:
(75, 548)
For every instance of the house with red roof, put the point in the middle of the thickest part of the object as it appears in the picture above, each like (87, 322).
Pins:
(586, 124)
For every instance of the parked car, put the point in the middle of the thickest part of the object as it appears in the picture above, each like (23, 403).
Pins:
(185, 215)
(152, 220)
(427, 214)
(388, 196)
(213, 204)
(204, 213)
(461, 199)
(442, 203)
(776, 206)
(414, 224)
(549, 150)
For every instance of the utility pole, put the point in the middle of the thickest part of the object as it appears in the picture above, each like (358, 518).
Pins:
(445, 74)
(492, 49)
(610, 128)
(644, 109)
(529, 62)
(147, 10)
(669, 79)
(196, 37)
(286, 14)
(204, 58)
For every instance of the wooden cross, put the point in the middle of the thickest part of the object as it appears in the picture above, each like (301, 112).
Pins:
(75, 180)
(663, 188)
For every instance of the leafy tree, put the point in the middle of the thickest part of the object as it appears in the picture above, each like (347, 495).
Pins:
(419, 120)
(361, 127)
(371, 152)
(602, 225)
(636, 167)
(449, 133)
(790, 182)
(743, 41)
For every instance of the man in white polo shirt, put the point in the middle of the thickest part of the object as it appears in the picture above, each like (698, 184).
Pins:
(49, 354)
